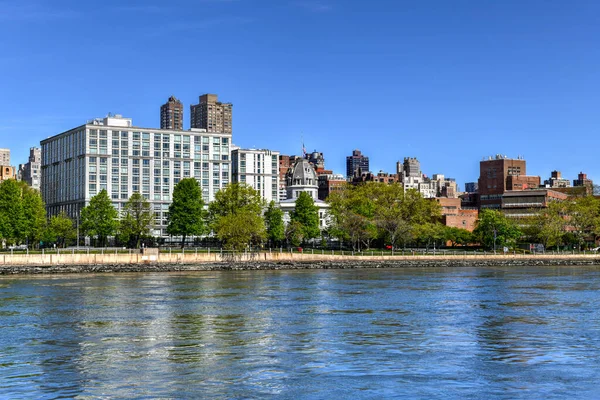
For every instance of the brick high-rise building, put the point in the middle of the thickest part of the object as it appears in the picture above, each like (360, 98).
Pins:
(499, 174)
(171, 114)
(211, 114)
(356, 161)
(582, 180)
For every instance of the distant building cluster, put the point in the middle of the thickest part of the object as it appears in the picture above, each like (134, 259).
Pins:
(113, 154)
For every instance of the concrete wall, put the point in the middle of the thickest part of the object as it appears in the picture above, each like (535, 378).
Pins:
(191, 257)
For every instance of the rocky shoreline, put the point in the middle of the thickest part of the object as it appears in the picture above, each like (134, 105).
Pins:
(295, 265)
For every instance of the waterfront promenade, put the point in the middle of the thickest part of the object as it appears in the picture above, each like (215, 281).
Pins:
(192, 259)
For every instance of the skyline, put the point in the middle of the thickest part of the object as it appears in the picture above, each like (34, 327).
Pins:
(447, 84)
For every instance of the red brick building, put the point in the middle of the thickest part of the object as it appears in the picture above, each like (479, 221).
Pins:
(454, 216)
(499, 174)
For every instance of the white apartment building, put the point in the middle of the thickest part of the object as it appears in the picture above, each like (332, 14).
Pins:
(259, 169)
(110, 153)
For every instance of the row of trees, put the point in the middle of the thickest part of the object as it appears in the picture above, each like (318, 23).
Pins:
(239, 217)
(372, 212)
(23, 218)
(363, 215)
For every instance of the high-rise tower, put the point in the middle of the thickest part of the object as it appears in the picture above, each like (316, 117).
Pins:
(211, 114)
(171, 114)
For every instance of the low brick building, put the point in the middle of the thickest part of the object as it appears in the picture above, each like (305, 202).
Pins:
(527, 203)
(455, 216)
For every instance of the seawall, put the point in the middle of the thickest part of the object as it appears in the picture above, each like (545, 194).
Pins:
(192, 261)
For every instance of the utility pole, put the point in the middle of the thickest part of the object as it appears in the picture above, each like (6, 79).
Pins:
(78, 214)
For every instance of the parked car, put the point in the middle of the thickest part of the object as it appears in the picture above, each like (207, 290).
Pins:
(18, 247)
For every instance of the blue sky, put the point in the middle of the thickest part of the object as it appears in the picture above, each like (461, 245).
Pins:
(446, 81)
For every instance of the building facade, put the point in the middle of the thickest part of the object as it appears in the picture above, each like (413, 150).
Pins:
(453, 215)
(301, 177)
(582, 180)
(471, 187)
(357, 161)
(499, 174)
(557, 181)
(171, 114)
(31, 171)
(113, 155)
(211, 114)
(4, 156)
(259, 169)
(7, 172)
(329, 183)
(528, 203)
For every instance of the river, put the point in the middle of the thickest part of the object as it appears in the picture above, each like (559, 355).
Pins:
(316, 334)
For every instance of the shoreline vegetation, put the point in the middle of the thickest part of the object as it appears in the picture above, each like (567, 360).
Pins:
(193, 261)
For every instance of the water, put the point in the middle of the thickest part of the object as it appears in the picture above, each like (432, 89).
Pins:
(417, 333)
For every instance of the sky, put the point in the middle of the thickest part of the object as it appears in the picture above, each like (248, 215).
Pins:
(446, 81)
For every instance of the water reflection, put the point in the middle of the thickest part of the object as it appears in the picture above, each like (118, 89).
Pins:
(422, 333)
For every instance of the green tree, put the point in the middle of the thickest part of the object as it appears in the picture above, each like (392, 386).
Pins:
(294, 233)
(13, 224)
(549, 225)
(186, 212)
(240, 229)
(391, 214)
(60, 230)
(274, 224)
(99, 218)
(429, 233)
(307, 214)
(457, 236)
(352, 211)
(494, 230)
(137, 218)
(34, 212)
(584, 219)
(236, 216)
(363, 212)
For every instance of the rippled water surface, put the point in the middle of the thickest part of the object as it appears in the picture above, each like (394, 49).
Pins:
(404, 333)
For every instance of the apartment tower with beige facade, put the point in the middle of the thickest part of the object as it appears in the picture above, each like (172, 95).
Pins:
(211, 114)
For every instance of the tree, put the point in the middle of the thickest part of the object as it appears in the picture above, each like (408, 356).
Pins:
(429, 233)
(34, 212)
(274, 224)
(363, 212)
(136, 219)
(352, 211)
(494, 230)
(99, 218)
(457, 236)
(13, 225)
(584, 218)
(186, 212)
(240, 229)
(307, 214)
(234, 197)
(549, 225)
(60, 230)
(391, 214)
(236, 216)
(294, 233)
